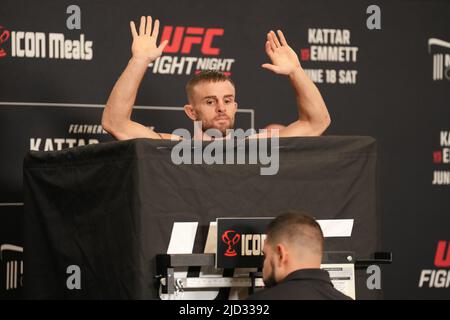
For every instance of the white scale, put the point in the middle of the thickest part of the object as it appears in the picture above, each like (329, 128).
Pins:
(210, 282)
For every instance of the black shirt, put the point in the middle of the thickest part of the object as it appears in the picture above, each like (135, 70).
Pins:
(304, 284)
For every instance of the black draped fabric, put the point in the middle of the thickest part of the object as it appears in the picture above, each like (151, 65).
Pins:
(109, 208)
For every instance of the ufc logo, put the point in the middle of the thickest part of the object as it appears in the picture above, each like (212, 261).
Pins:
(185, 38)
(441, 259)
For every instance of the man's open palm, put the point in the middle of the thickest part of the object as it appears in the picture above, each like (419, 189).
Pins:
(283, 57)
(144, 43)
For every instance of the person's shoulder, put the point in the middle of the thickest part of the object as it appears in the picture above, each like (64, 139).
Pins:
(262, 294)
(294, 290)
(277, 292)
(338, 295)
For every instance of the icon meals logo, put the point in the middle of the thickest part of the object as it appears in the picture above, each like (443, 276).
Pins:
(251, 244)
(230, 242)
(186, 40)
(4, 36)
(29, 44)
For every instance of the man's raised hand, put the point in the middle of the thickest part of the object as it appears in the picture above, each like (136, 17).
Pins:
(144, 43)
(284, 59)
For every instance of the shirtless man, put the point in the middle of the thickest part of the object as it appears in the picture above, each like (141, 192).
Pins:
(211, 95)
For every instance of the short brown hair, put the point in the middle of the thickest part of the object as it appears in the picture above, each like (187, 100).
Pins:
(297, 228)
(205, 76)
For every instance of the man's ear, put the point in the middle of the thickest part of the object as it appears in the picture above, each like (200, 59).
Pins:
(282, 254)
(190, 112)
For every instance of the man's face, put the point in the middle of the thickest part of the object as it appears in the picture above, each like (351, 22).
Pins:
(269, 266)
(214, 105)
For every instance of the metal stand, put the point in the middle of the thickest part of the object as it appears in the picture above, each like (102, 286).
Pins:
(166, 264)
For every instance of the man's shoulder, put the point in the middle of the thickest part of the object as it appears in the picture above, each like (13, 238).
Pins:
(265, 294)
(300, 290)
(282, 291)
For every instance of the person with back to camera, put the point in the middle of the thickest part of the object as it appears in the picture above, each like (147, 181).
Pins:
(293, 252)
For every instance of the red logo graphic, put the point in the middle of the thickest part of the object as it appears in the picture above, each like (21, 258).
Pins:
(437, 156)
(230, 242)
(441, 259)
(192, 36)
(4, 36)
(304, 54)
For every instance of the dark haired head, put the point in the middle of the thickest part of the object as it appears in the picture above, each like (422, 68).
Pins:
(296, 228)
(205, 76)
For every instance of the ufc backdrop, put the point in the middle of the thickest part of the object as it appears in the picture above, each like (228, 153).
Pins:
(390, 83)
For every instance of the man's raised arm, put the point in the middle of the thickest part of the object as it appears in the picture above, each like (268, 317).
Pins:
(116, 117)
(313, 114)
